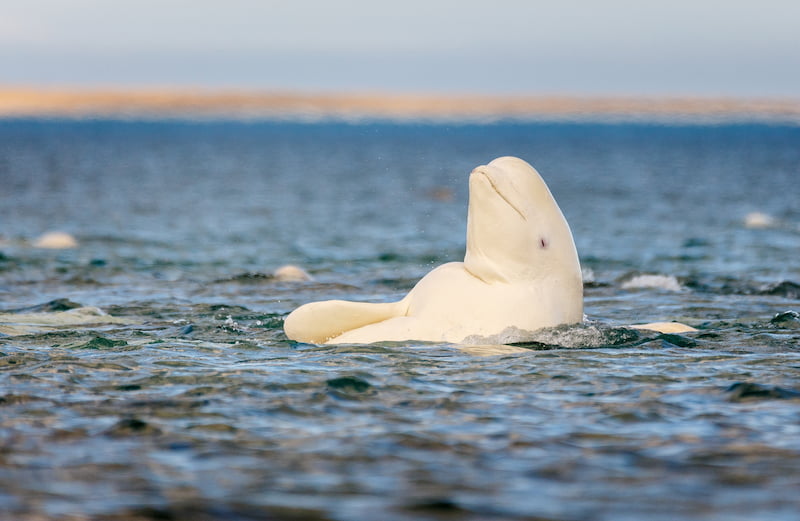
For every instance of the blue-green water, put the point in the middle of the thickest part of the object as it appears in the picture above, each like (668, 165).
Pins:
(200, 408)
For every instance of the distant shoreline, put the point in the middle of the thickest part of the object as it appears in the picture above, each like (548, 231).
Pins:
(256, 105)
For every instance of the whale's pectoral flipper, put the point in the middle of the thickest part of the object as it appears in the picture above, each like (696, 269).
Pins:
(665, 327)
(319, 322)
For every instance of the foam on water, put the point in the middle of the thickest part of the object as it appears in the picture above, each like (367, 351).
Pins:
(759, 220)
(31, 323)
(574, 336)
(652, 281)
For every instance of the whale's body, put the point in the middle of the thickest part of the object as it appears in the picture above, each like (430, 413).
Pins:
(521, 271)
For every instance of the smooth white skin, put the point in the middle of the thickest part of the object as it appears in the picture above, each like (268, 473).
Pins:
(665, 327)
(521, 270)
(56, 241)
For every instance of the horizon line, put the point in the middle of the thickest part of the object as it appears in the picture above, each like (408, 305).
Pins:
(171, 102)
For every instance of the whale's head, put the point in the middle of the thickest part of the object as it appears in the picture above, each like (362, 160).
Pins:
(515, 229)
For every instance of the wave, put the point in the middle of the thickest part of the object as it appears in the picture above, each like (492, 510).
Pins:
(652, 281)
(734, 286)
(34, 322)
(587, 335)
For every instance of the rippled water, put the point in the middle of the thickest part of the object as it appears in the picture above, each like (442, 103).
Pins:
(193, 405)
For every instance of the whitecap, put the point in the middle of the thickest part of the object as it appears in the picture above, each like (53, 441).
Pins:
(759, 220)
(653, 281)
(13, 324)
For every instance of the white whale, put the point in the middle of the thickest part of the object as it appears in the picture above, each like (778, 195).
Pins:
(56, 241)
(520, 271)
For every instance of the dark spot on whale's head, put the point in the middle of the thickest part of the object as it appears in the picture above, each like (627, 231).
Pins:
(543, 243)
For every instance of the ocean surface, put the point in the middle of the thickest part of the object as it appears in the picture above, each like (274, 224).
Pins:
(180, 398)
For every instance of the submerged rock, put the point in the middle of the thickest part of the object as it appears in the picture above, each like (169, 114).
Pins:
(287, 273)
(786, 288)
(741, 391)
(132, 427)
(100, 342)
(348, 385)
(61, 304)
(786, 320)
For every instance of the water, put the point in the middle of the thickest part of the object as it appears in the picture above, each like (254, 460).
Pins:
(195, 406)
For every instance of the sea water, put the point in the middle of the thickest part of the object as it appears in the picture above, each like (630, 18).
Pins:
(192, 404)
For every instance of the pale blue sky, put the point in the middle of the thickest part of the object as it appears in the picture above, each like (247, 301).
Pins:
(676, 47)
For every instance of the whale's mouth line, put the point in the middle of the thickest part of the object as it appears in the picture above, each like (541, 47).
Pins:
(503, 197)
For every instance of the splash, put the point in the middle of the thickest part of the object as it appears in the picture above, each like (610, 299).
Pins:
(588, 335)
(13, 324)
(759, 220)
(653, 281)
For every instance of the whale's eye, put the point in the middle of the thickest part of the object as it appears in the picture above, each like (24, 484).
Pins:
(543, 243)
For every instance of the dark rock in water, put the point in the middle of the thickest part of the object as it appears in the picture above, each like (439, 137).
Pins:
(349, 384)
(737, 286)
(17, 399)
(221, 308)
(695, 242)
(787, 289)
(389, 257)
(99, 342)
(786, 320)
(246, 278)
(187, 329)
(131, 427)
(695, 283)
(61, 304)
(741, 391)
(437, 506)
(678, 340)
(199, 509)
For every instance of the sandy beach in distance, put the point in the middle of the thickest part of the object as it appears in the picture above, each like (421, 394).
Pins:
(223, 104)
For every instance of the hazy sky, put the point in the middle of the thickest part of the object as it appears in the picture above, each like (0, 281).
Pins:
(677, 47)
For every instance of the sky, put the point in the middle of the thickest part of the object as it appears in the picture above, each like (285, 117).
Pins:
(502, 47)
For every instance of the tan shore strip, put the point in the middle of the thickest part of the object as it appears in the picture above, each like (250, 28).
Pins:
(208, 104)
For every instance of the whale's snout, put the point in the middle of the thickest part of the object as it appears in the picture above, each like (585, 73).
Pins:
(487, 181)
(478, 170)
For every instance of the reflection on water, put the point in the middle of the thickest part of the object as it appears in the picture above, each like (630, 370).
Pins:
(195, 406)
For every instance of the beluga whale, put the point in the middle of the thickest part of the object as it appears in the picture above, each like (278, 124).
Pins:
(520, 272)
